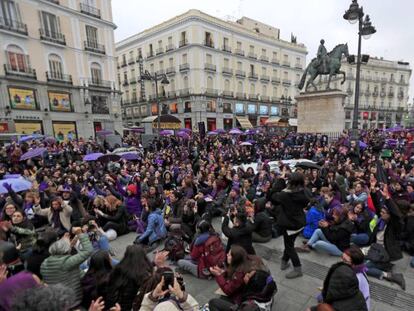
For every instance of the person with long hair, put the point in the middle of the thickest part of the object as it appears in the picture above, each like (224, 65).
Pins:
(231, 280)
(127, 277)
(115, 216)
(95, 281)
(291, 221)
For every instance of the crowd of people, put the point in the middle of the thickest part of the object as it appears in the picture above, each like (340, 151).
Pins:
(354, 201)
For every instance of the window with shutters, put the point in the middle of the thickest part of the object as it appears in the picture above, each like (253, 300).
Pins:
(50, 23)
(96, 73)
(92, 36)
(17, 60)
(9, 13)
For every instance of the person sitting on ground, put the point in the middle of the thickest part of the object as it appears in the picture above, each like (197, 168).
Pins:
(206, 251)
(62, 267)
(361, 217)
(114, 217)
(155, 229)
(240, 233)
(262, 222)
(332, 239)
(231, 280)
(357, 193)
(341, 289)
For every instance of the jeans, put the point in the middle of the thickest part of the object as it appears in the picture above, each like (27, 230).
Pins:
(103, 243)
(289, 251)
(221, 304)
(373, 270)
(319, 242)
(360, 239)
(189, 266)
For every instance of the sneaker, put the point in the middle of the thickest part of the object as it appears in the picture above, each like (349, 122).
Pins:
(295, 273)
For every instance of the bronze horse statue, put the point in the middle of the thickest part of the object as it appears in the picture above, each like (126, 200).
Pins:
(315, 69)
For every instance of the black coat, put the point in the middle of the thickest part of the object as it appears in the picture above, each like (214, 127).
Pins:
(341, 289)
(292, 203)
(263, 224)
(408, 234)
(392, 232)
(340, 234)
(241, 236)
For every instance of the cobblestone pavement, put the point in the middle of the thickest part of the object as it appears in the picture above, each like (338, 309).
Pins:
(298, 294)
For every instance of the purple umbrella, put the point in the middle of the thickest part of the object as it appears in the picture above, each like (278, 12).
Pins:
(92, 156)
(235, 131)
(220, 131)
(17, 184)
(37, 152)
(362, 145)
(50, 140)
(184, 129)
(12, 176)
(110, 157)
(130, 156)
(211, 133)
(167, 132)
(246, 143)
(138, 130)
(104, 133)
(251, 141)
(30, 137)
(183, 134)
(250, 131)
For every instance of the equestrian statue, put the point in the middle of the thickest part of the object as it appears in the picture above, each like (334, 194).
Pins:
(325, 64)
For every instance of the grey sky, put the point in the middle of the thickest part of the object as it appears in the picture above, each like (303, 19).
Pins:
(309, 20)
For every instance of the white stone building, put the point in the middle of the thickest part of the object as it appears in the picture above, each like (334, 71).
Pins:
(220, 72)
(58, 68)
(384, 86)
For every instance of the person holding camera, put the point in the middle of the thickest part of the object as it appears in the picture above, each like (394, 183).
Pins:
(169, 295)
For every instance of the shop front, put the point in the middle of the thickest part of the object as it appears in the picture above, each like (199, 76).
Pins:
(28, 127)
(64, 131)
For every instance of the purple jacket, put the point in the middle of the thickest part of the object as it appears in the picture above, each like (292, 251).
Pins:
(13, 286)
(133, 202)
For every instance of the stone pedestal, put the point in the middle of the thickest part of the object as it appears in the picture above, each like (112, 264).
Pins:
(321, 112)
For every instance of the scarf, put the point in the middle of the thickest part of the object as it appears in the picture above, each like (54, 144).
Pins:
(56, 219)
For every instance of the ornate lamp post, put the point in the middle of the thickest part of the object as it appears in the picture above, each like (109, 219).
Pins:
(286, 101)
(355, 14)
(156, 77)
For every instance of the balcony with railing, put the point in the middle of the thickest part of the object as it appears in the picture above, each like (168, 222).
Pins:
(185, 67)
(298, 66)
(131, 61)
(98, 83)
(125, 82)
(123, 63)
(226, 48)
(264, 58)
(170, 71)
(264, 78)
(240, 95)
(54, 76)
(252, 55)
(265, 98)
(240, 74)
(239, 52)
(90, 10)
(275, 80)
(13, 25)
(25, 72)
(183, 43)
(400, 95)
(253, 76)
(209, 67)
(93, 46)
(275, 61)
(227, 94)
(133, 80)
(211, 92)
(275, 99)
(367, 93)
(375, 94)
(51, 36)
(169, 47)
(160, 72)
(286, 64)
(253, 96)
(171, 94)
(391, 94)
(159, 51)
(227, 71)
(209, 43)
(382, 94)
(287, 82)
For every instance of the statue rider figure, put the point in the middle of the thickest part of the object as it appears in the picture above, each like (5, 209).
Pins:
(322, 56)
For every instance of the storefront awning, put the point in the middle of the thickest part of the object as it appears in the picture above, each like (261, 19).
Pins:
(293, 122)
(272, 120)
(244, 122)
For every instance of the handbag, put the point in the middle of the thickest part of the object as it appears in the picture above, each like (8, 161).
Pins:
(377, 253)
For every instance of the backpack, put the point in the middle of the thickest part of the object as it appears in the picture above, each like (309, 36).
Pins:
(174, 244)
(214, 253)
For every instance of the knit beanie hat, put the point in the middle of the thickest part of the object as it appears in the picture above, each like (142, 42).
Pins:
(132, 189)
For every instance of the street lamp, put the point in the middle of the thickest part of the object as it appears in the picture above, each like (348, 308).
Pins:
(354, 14)
(164, 80)
(286, 101)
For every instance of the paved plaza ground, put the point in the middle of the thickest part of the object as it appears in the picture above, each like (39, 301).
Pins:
(298, 294)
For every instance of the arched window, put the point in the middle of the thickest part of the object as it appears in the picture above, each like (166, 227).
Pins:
(209, 83)
(96, 73)
(55, 67)
(17, 60)
(227, 85)
(240, 87)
